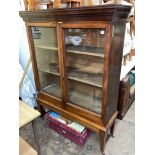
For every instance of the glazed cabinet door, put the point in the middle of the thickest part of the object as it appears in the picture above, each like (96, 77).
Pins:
(47, 60)
(84, 49)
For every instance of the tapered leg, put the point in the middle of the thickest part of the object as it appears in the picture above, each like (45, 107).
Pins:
(112, 130)
(103, 137)
(34, 126)
(41, 109)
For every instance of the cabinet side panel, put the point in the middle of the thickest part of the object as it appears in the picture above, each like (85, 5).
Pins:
(116, 50)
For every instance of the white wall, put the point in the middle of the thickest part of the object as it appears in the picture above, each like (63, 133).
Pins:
(24, 50)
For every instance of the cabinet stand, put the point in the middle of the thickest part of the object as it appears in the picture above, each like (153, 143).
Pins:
(103, 137)
(41, 110)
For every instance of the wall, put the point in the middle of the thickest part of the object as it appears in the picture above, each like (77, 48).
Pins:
(23, 58)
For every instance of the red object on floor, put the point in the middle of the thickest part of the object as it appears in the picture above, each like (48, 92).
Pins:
(67, 132)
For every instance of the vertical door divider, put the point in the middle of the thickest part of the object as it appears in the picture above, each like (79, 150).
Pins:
(61, 54)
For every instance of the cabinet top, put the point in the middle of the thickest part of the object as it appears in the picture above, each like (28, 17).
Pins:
(107, 12)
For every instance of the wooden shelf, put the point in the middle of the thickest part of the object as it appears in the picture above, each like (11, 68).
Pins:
(51, 68)
(84, 77)
(46, 47)
(80, 75)
(25, 148)
(88, 50)
(89, 82)
(49, 71)
(127, 68)
(52, 89)
(86, 53)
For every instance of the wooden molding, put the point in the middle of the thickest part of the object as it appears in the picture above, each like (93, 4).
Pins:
(97, 13)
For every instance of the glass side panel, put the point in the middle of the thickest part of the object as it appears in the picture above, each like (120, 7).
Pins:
(84, 51)
(46, 50)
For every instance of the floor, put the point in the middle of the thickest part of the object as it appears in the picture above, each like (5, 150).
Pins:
(54, 144)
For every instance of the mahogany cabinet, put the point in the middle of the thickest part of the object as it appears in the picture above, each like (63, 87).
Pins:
(76, 57)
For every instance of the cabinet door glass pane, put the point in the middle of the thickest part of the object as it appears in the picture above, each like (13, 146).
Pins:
(84, 52)
(46, 50)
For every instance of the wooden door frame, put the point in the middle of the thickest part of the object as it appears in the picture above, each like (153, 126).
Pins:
(34, 61)
(76, 109)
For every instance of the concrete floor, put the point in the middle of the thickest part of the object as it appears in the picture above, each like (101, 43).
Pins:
(55, 144)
